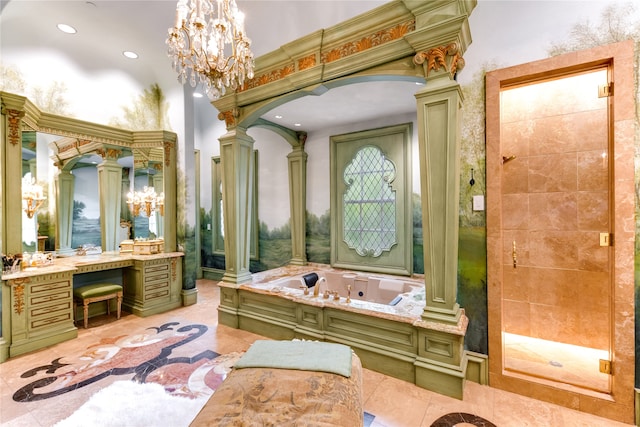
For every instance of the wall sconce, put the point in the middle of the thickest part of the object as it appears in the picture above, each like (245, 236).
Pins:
(146, 199)
(32, 196)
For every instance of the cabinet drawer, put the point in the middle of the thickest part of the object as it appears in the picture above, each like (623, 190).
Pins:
(156, 294)
(156, 276)
(43, 288)
(155, 286)
(51, 320)
(37, 312)
(50, 297)
(150, 269)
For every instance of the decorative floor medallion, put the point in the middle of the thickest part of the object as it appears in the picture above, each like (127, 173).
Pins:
(147, 355)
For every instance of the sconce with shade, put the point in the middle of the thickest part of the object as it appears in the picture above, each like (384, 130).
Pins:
(205, 31)
(32, 196)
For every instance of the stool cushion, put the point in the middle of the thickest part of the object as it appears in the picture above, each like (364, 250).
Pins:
(96, 290)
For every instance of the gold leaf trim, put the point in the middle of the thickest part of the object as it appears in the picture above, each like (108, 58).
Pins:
(18, 293)
(436, 58)
(307, 62)
(376, 39)
(14, 117)
(167, 153)
(174, 271)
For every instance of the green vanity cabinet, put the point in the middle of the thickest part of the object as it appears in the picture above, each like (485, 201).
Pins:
(41, 311)
(153, 285)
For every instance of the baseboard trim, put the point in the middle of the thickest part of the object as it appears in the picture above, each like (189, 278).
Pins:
(212, 273)
(478, 368)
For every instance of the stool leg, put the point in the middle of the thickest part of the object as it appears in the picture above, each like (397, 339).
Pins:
(119, 303)
(86, 314)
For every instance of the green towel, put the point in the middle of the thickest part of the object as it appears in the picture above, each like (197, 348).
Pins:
(301, 355)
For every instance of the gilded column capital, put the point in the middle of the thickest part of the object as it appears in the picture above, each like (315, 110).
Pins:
(229, 117)
(446, 57)
(109, 153)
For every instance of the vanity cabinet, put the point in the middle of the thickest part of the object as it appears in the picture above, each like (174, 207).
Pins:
(152, 286)
(37, 304)
(41, 309)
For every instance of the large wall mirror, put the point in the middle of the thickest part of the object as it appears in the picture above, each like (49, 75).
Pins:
(83, 184)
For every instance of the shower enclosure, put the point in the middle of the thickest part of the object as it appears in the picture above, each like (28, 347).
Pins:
(556, 229)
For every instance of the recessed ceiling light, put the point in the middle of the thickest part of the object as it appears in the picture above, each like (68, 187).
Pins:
(130, 55)
(66, 28)
(278, 116)
(297, 124)
(197, 95)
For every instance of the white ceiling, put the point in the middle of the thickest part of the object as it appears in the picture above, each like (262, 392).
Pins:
(107, 28)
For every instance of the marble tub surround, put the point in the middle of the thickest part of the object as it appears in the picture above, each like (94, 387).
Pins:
(393, 339)
(275, 282)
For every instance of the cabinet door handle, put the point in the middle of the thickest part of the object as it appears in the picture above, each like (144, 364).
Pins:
(513, 254)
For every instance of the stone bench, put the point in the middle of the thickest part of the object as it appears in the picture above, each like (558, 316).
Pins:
(94, 293)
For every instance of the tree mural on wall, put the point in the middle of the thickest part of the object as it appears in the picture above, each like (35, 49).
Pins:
(149, 111)
(50, 98)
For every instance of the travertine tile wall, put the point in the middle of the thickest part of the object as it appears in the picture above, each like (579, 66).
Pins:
(555, 205)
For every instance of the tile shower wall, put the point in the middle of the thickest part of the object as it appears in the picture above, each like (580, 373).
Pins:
(555, 205)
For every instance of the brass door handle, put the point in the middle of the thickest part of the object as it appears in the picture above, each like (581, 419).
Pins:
(513, 255)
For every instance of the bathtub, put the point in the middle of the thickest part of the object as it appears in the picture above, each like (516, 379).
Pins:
(358, 286)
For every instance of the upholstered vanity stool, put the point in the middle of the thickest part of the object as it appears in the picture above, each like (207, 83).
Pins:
(94, 293)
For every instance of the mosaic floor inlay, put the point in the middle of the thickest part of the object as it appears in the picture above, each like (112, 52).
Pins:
(146, 355)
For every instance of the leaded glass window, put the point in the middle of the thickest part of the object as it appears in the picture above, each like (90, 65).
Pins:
(369, 203)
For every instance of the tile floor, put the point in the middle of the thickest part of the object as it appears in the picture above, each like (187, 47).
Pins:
(394, 403)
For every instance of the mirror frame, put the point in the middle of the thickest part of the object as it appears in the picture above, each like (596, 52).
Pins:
(81, 137)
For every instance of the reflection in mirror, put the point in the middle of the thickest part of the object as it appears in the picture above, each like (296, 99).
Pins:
(85, 229)
(145, 196)
(38, 229)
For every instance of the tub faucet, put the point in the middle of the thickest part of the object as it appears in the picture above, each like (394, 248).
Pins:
(316, 288)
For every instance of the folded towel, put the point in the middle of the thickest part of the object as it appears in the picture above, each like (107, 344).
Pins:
(396, 286)
(300, 355)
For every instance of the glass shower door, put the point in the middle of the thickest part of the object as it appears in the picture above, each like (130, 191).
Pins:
(556, 226)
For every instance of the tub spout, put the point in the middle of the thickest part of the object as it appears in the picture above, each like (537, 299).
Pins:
(316, 288)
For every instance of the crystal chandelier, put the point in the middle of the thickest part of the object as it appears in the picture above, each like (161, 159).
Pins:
(146, 199)
(208, 45)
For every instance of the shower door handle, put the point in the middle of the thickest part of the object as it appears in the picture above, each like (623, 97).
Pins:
(513, 254)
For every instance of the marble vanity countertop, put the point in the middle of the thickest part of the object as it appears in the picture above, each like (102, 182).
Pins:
(80, 263)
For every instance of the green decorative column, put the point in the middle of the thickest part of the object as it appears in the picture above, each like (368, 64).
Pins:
(110, 186)
(65, 183)
(298, 201)
(236, 159)
(438, 134)
(441, 363)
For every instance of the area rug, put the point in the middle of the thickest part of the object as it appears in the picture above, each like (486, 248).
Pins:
(132, 404)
